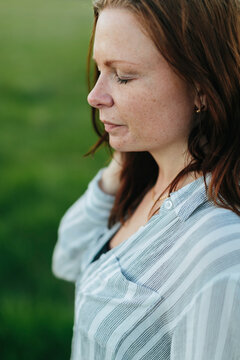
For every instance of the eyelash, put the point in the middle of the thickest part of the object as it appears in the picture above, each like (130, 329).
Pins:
(122, 81)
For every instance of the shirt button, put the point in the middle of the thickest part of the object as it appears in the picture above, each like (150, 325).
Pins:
(168, 204)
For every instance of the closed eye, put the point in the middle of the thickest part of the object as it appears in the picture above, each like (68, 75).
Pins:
(122, 81)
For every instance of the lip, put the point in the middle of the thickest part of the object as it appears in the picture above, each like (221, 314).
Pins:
(109, 123)
(110, 126)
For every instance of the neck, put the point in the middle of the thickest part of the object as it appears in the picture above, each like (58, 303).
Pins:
(169, 166)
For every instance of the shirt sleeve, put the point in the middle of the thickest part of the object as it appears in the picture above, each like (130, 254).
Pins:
(210, 330)
(79, 231)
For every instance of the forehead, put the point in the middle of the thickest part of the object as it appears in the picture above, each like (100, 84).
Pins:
(120, 36)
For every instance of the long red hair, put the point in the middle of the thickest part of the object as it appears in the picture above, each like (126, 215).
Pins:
(200, 39)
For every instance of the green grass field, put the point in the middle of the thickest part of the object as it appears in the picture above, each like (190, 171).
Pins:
(45, 131)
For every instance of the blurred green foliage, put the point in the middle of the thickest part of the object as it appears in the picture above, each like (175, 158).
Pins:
(45, 130)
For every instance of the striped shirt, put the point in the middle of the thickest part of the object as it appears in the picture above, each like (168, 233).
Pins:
(170, 291)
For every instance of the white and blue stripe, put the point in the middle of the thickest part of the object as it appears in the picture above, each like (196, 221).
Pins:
(170, 291)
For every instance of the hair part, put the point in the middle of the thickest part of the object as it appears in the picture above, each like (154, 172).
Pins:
(200, 39)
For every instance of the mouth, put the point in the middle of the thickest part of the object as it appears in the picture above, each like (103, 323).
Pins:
(110, 126)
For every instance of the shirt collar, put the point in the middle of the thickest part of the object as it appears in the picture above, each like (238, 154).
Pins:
(187, 199)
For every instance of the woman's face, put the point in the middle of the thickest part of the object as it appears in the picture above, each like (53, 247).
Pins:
(137, 90)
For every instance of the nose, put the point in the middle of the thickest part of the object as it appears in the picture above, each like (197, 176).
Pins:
(99, 96)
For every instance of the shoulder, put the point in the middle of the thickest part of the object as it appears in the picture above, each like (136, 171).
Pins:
(212, 243)
(214, 221)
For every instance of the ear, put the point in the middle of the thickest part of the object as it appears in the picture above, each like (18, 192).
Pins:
(200, 100)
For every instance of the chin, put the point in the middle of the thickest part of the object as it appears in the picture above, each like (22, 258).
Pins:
(124, 146)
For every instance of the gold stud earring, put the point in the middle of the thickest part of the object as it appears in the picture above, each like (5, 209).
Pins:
(197, 110)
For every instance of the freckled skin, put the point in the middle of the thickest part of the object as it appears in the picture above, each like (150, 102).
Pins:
(156, 106)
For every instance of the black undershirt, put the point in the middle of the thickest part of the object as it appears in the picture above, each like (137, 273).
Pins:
(103, 250)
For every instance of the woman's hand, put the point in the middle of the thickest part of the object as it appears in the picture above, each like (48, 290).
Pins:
(110, 180)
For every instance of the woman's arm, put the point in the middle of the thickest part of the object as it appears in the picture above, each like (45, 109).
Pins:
(85, 222)
(210, 330)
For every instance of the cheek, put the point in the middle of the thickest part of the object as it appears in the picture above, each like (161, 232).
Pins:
(144, 112)
(137, 107)
(165, 112)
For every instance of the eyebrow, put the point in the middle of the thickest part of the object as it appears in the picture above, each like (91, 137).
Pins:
(110, 62)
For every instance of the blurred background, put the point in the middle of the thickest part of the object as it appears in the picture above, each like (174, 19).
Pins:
(45, 131)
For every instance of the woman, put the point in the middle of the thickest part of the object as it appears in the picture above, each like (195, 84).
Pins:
(153, 245)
